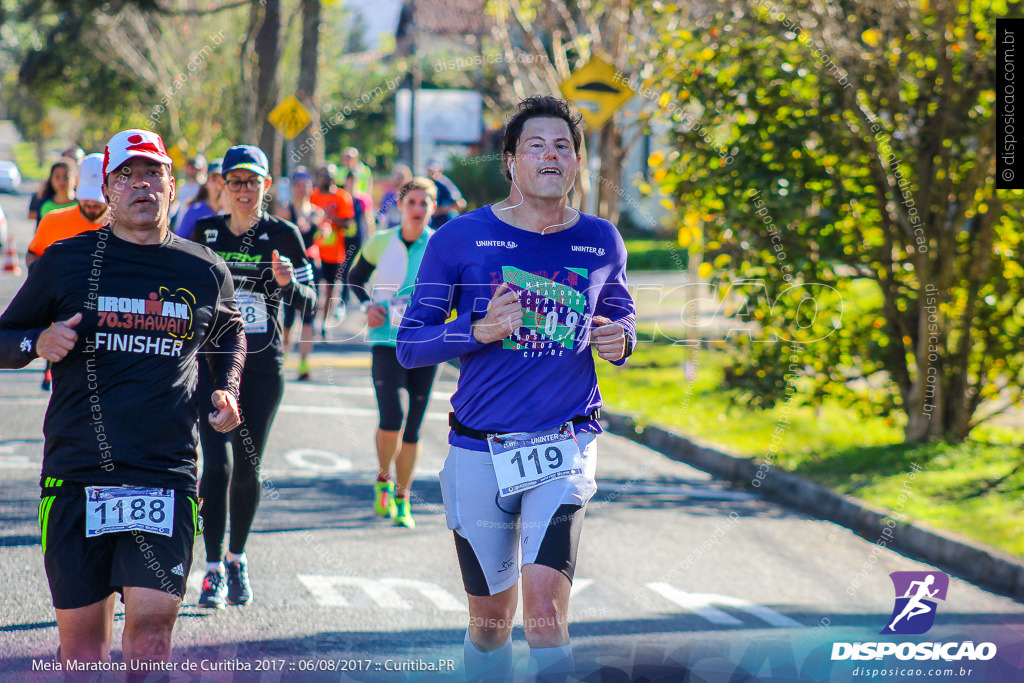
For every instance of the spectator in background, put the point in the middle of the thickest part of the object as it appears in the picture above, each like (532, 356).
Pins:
(195, 178)
(308, 218)
(205, 203)
(449, 199)
(61, 181)
(186, 190)
(75, 154)
(45, 191)
(364, 176)
(332, 243)
(388, 214)
(87, 213)
(363, 205)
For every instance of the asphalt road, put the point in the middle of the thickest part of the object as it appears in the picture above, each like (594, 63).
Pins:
(678, 575)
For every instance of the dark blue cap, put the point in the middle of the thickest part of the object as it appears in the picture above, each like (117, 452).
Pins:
(247, 157)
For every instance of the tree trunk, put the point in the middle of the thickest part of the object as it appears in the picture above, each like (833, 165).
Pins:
(268, 53)
(247, 75)
(609, 184)
(927, 408)
(309, 147)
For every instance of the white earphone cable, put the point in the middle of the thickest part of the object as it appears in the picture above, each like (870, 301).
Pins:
(522, 198)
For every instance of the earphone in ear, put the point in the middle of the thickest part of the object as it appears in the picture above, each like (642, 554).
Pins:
(511, 171)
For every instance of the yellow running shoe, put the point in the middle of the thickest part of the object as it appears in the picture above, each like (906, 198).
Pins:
(384, 499)
(404, 516)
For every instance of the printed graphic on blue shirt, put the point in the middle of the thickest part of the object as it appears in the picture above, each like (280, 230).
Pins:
(554, 310)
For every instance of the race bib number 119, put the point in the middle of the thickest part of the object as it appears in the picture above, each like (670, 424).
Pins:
(523, 461)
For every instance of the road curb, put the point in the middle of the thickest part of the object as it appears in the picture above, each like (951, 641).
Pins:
(971, 561)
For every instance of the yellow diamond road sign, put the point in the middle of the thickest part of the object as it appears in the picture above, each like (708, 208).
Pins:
(597, 92)
(289, 117)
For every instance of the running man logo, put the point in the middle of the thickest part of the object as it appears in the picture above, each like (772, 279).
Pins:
(916, 592)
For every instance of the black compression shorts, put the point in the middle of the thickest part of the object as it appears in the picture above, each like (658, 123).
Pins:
(388, 377)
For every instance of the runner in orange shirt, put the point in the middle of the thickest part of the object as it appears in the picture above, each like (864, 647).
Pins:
(89, 214)
(340, 212)
(60, 224)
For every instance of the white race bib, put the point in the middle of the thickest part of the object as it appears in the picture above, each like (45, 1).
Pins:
(524, 460)
(253, 306)
(396, 310)
(110, 509)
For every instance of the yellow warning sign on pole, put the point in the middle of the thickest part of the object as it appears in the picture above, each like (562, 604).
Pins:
(597, 90)
(289, 117)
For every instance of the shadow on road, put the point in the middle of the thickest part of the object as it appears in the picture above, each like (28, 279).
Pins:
(342, 501)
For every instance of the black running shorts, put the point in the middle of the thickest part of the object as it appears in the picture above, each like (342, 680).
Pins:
(82, 571)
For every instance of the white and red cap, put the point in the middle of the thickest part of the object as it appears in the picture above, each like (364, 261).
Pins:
(90, 179)
(134, 142)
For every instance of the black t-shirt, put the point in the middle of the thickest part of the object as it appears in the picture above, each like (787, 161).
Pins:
(123, 408)
(249, 258)
(310, 220)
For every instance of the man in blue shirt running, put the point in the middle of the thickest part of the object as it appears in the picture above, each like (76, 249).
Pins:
(534, 284)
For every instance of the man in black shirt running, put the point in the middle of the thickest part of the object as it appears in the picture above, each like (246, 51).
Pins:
(123, 313)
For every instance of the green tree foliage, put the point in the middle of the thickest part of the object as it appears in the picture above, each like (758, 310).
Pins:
(842, 154)
(132, 64)
(357, 92)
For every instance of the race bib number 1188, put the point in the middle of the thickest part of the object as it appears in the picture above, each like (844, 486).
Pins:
(111, 509)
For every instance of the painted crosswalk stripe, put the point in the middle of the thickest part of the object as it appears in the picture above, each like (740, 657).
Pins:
(702, 604)
(382, 592)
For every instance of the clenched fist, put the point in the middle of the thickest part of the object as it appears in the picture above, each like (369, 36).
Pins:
(609, 338)
(504, 316)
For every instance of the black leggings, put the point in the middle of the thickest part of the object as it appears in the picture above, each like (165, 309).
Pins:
(388, 376)
(259, 397)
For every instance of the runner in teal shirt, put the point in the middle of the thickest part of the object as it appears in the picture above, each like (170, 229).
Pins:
(382, 278)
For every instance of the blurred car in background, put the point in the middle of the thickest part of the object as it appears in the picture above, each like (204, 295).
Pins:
(3, 228)
(10, 177)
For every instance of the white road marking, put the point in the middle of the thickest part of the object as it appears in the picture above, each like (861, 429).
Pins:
(313, 459)
(701, 604)
(12, 456)
(17, 462)
(579, 585)
(23, 401)
(326, 590)
(679, 489)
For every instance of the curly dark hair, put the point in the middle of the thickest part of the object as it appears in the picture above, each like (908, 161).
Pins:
(534, 107)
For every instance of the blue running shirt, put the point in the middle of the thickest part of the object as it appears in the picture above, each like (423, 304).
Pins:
(543, 375)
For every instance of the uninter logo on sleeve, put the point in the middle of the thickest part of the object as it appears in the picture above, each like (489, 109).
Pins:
(599, 251)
